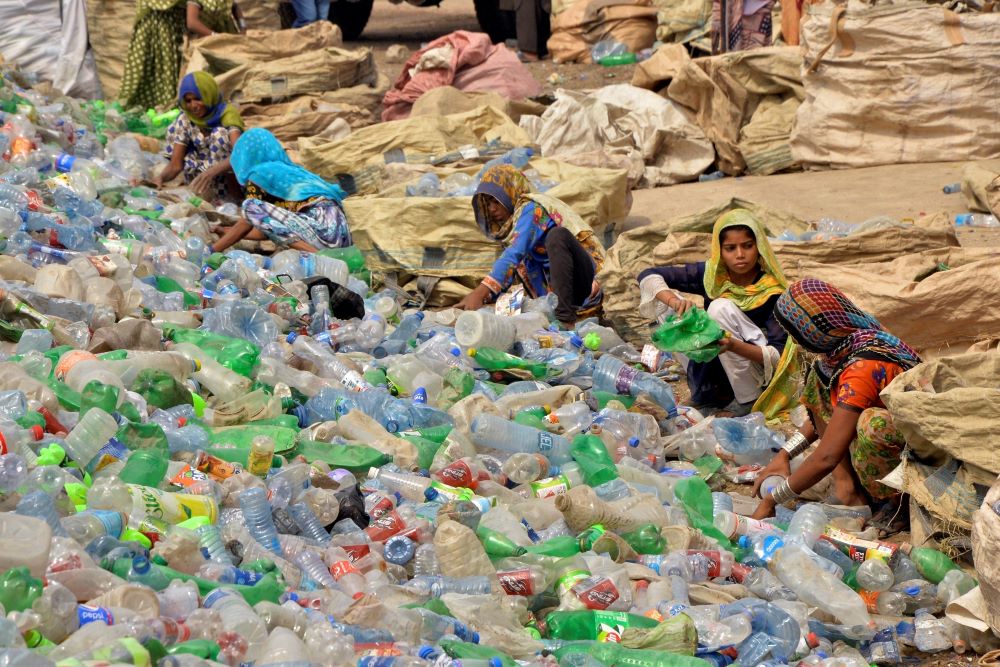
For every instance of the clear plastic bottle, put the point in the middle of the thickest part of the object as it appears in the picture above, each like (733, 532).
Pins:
(931, 635)
(425, 561)
(498, 433)
(257, 514)
(40, 505)
(523, 468)
(238, 616)
(611, 374)
(89, 443)
(875, 575)
(307, 522)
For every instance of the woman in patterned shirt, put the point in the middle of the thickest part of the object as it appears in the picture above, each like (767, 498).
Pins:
(200, 141)
(546, 245)
(857, 358)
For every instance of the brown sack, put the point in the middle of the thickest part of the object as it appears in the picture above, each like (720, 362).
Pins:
(585, 23)
(981, 188)
(223, 52)
(109, 24)
(126, 335)
(985, 538)
(310, 72)
(261, 14)
(900, 82)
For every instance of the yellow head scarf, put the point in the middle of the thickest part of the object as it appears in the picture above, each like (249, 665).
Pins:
(717, 282)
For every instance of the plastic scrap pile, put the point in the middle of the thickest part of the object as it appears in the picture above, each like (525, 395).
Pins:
(204, 463)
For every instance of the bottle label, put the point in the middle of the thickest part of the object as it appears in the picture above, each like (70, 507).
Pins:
(64, 162)
(103, 264)
(383, 506)
(651, 357)
(216, 468)
(570, 578)
(451, 492)
(356, 551)
(342, 568)
(610, 625)
(215, 596)
(747, 526)
(544, 442)
(623, 381)
(859, 550)
(188, 476)
(112, 452)
(245, 577)
(517, 582)
(385, 527)
(870, 599)
(88, 614)
(353, 381)
(597, 595)
(550, 487)
(113, 522)
(715, 561)
(458, 473)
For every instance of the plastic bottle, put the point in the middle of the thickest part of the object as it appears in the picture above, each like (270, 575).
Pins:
(239, 617)
(612, 375)
(875, 575)
(480, 328)
(931, 635)
(91, 443)
(257, 513)
(492, 431)
(931, 563)
(523, 468)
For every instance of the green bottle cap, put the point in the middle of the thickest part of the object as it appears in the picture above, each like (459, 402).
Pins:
(592, 341)
(52, 455)
(131, 535)
(195, 522)
(199, 405)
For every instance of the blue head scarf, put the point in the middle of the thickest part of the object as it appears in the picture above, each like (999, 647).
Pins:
(259, 157)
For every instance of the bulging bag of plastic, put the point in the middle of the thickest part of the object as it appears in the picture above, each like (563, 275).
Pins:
(693, 334)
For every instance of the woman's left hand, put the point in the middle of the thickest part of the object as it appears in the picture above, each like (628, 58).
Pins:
(765, 509)
(202, 183)
(595, 287)
(725, 343)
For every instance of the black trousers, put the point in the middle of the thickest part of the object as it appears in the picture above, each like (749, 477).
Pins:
(531, 18)
(571, 272)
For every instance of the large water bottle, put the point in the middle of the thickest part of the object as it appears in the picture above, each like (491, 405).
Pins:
(330, 366)
(480, 328)
(747, 439)
(307, 522)
(257, 513)
(613, 375)
(498, 433)
(90, 442)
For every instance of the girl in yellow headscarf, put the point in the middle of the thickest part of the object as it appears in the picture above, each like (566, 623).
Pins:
(756, 369)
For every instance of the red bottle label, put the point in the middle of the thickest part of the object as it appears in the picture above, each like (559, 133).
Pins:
(457, 473)
(715, 569)
(517, 582)
(601, 595)
(385, 526)
(356, 551)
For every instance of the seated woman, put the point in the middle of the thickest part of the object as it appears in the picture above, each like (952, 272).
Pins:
(858, 358)
(547, 246)
(756, 367)
(201, 140)
(284, 202)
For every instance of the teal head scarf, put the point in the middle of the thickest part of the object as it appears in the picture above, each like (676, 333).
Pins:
(259, 157)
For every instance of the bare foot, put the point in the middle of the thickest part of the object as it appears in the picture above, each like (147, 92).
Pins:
(528, 57)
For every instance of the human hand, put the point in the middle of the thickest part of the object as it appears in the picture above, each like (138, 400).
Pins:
(202, 183)
(681, 306)
(725, 343)
(778, 465)
(765, 509)
(595, 287)
(472, 301)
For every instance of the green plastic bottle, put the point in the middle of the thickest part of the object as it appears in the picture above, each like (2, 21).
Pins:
(203, 648)
(695, 498)
(351, 255)
(459, 650)
(146, 467)
(236, 354)
(611, 653)
(498, 545)
(437, 434)
(646, 539)
(426, 449)
(99, 395)
(267, 589)
(496, 361)
(604, 397)
(559, 547)
(931, 563)
(241, 436)
(596, 464)
(18, 589)
(594, 625)
(614, 61)
(356, 458)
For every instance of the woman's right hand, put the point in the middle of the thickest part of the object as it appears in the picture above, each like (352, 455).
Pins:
(779, 465)
(681, 306)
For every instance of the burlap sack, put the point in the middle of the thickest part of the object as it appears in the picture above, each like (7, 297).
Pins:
(223, 52)
(981, 188)
(312, 72)
(261, 14)
(682, 21)
(305, 116)
(900, 82)
(985, 538)
(448, 100)
(587, 22)
(764, 140)
(109, 24)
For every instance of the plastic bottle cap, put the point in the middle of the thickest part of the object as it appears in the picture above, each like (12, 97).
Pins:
(37, 432)
(475, 637)
(633, 441)
(812, 640)
(141, 564)
(420, 315)
(292, 335)
(472, 352)
(372, 473)
(575, 340)
(426, 652)
(431, 493)
(455, 351)
(743, 542)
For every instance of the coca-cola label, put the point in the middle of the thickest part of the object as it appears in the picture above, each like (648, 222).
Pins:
(714, 559)
(623, 381)
(356, 551)
(342, 568)
(385, 526)
(456, 474)
(598, 595)
(517, 582)
(383, 506)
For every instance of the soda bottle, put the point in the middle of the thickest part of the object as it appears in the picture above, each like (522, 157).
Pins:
(931, 563)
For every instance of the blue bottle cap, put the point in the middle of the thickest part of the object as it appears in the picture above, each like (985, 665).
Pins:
(140, 564)
(426, 652)
(302, 413)
(744, 541)
(496, 662)
(633, 442)
(391, 425)
(420, 315)
(474, 637)
(290, 338)
(431, 493)
(420, 395)
(575, 340)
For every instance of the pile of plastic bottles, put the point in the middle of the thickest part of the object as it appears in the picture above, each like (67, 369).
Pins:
(461, 184)
(237, 459)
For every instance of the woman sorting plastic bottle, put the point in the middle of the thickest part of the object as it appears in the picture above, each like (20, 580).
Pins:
(201, 140)
(153, 64)
(757, 366)
(858, 359)
(284, 202)
(546, 244)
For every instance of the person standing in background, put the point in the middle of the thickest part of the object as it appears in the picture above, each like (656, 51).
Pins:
(153, 65)
(531, 19)
(741, 25)
(310, 11)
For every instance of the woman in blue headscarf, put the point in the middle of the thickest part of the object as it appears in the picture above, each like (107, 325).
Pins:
(284, 202)
(200, 141)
